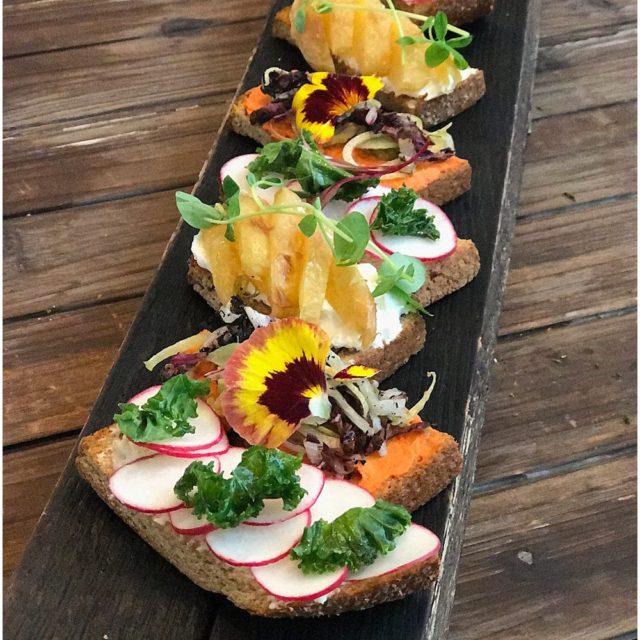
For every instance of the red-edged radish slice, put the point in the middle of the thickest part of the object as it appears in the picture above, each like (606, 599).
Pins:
(365, 206)
(285, 581)
(237, 170)
(311, 480)
(230, 459)
(183, 521)
(335, 209)
(337, 497)
(147, 483)
(247, 546)
(208, 431)
(220, 447)
(414, 545)
(422, 248)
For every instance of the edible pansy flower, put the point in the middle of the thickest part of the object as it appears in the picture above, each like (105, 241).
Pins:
(356, 372)
(276, 379)
(319, 104)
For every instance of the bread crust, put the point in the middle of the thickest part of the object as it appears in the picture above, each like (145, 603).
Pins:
(191, 557)
(448, 186)
(387, 359)
(432, 111)
(458, 12)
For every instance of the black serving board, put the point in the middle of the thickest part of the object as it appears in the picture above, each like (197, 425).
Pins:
(86, 575)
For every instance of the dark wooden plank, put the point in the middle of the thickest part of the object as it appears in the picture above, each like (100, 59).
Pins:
(52, 376)
(580, 157)
(189, 612)
(564, 393)
(574, 264)
(565, 20)
(110, 156)
(586, 74)
(35, 26)
(85, 254)
(28, 480)
(553, 559)
(121, 75)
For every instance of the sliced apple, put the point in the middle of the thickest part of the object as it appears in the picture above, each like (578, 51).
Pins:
(283, 580)
(250, 546)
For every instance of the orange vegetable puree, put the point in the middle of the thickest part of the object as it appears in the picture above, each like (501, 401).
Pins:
(423, 175)
(404, 451)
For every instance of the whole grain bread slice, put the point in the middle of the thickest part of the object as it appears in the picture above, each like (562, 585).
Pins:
(446, 187)
(432, 111)
(458, 11)
(190, 555)
(387, 359)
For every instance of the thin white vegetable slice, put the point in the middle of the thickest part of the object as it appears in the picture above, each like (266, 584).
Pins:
(219, 448)
(248, 546)
(416, 544)
(337, 497)
(147, 484)
(183, 521)
(285, 581)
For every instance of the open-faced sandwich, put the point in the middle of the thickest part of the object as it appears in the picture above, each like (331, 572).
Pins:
(300, 237)
(458, 11)
(310, 515)
(353, 130)
(417, 56)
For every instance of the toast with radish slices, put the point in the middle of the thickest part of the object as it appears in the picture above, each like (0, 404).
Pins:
(250, 565)
(364, 42)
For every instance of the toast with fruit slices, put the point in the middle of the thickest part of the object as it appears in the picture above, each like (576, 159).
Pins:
(190, 555)
(458, 11)
(432, 111)
(387, 359)
(438, 181)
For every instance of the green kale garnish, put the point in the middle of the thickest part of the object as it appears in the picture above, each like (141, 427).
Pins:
(226, 502)
(301, 160)
(397, 217)
(354, 539)
(165, 415)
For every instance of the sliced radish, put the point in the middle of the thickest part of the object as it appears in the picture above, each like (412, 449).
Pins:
(366, 206)
(422, 248)
(335, 209)
(245, 545)
(147, 483)
(220, 447)
(414, 545)
(237, 170)
(337, 497)
(184, 522)
(311, 480)
(285, 581)
(230, 459)
(208, 431)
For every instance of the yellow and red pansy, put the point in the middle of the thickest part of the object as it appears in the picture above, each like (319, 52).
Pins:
(276, 379)
(326, 97)
(356, 372)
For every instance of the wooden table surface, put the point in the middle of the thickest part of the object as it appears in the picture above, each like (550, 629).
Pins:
(110, 106)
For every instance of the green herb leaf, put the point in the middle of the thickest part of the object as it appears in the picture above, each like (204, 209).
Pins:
(460, 43)
(413, 272)
(165, 415)
(459, 60)
(406, 40)
(300, 17)
(231, 191)
(355, 539)
(436, 54)
(440, 25)
(347, 252)
(196, 213)
(262, 474)
(308, 225)
(396, 216)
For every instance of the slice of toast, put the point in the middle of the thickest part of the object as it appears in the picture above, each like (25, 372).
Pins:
(458, 11)
(433, 111)
(190, 555)
(451, 182)
(387, 359)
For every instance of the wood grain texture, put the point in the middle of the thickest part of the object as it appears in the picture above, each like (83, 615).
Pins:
(571, 265)
(85, 254)
(110, 157)
(40, 87)
(560, 394)
(165, 317)
(33, 26)
(55, 373)
(579, 158)
(29, 477)
(554, 559)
